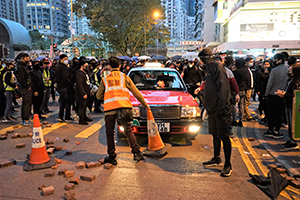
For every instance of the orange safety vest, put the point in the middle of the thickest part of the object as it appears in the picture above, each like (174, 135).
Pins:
(116, 93)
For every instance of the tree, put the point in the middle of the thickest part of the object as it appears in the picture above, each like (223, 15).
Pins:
(37, 40)
(20, 47)
(123, 23)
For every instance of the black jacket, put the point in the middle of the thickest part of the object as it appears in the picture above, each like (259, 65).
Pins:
(63, 76)
(217, 90)
(82, 85)
(7, 79)
(192, 76)
(37, 80)
(243, 78)
(24, 77)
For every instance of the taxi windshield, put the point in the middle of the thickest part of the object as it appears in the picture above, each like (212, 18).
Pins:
(157, 80)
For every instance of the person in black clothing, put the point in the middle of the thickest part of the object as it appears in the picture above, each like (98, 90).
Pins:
(217, 103)
(288, 97)
(64, 88)
(82, 92)
(242, 77)
(37, 88)
(53, 79)
(2, 96)
(25, 88)
(192, 76)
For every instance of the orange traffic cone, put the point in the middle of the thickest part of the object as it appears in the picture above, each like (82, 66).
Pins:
(39, 153)
(39, 158)
(156, 147)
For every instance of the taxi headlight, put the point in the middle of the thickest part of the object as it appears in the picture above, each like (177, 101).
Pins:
(187, 111)
(136, 111)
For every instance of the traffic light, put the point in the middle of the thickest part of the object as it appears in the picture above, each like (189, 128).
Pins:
(54, 47)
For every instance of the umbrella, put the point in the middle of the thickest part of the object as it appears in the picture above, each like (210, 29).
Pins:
(159, 58)
(56, 58)
(125, 58)
(40, 58)
(177, 57)
(135, 58)
(144, 57)
(88, 58)
(190, 55)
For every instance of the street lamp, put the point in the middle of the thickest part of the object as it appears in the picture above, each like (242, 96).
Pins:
(156, 15)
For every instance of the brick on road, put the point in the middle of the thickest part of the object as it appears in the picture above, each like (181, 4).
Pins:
(15, 136)
(41, 187)
(281, 170)
(23, 135)
(90, 165)
(80, 165)
(62, 172)
(50, 174)
(98, 164)
(50, 151)
(66, 140)
(272, 166)
(48, 190)
(6, 163)
(54, 167)
(29, 134)
(88, 177)
(10, 131)
(70, 195)
(69, 186)
(295, 184)
(49, 142)
(58, 148)
(3, 136)
(74, 180)
(101, 160)
(21, 145)
(108, 165)
(68, 153)
(69, 173)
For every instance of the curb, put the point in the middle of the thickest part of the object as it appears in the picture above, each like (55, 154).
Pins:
(291, 171)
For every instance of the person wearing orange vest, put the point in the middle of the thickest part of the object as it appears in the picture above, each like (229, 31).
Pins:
(114, 89)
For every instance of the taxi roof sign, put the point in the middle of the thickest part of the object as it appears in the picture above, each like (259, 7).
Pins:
(153, 65)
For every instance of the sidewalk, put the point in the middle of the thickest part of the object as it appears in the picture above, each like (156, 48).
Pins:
(288, 158)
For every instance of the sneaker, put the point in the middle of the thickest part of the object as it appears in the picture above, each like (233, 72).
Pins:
(215, 161)
(6, 120)
(240, 123)
(227, 170)
(138, 156)
(110, 160)
(278, 135)
(269, 134)
(290, 145)
(24, 123)
(61, 120)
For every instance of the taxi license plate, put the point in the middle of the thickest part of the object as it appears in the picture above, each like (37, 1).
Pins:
(163, 127)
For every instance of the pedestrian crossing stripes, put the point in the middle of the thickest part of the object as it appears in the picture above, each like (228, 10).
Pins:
(91, 130)
(53, 127)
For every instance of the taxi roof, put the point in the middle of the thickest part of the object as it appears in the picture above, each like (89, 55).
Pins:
(152, 66)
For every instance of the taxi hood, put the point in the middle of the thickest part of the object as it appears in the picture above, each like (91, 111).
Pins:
(165, 97)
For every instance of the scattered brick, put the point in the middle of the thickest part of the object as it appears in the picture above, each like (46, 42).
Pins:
(80, 165)
(295, 184)
(16, 135)
(48, 125)
(66, 140)
(21, 145)
(251, 139)
(15, 126)
(90, 165)
(77, 143)
(88, 178)
(101, 160)
(23, 135)
(69, 173)
(61, 172)
(54, 167)
(74, 180)
(50, 174)
(45, 122)
(70, 195)
(290, 178)
(108, 165)
(41, 187)
(3, 137)
(68, 153)
(58, 148)
(50, 151)
(69, 186)
(14, 162)
(46, 141)
(50, 146)
(281, 170)
(48, 190)
(29, 134)
(98, 164)
(272, 166)
(58, 161)
(5, 163)
(10, 131)
(49, 142)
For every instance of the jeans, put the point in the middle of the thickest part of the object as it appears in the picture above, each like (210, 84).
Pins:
(110, 121)
(9, 99)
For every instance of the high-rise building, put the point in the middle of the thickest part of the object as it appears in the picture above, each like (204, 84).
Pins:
(12, 10)
(81, 26)
(190, 7)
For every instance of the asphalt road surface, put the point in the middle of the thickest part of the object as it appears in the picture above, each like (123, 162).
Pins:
(178, 175)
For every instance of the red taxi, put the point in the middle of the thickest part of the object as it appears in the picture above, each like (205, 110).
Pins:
(174, 109)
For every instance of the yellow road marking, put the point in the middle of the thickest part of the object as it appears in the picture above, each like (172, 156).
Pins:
(285, 194)
(91, 130)
(53, 127)
(2, 131)
(245, 158)
(256, 157)
(295, 190)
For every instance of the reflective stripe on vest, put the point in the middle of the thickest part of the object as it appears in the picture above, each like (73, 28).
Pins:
(116, 94)
(96, 77)
(45, 76)
(12, 80)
